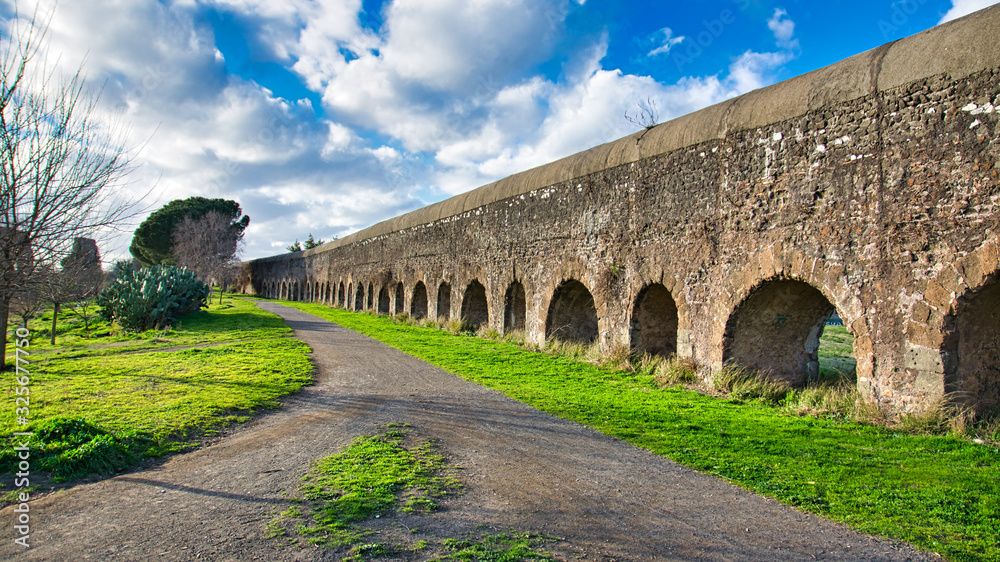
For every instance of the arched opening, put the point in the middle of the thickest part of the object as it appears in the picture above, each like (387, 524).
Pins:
(327, 297)
(515, 308)
(350, 292)
(776, 330)
(383, 300)
(296, 292)
(976, 381)
(475, 311)
(572, 314)
(340, 294)
(371, 296)
(836, 352)
(654, 321)
(399, 299)
(444, 301)
(359, 298)
(317, 292)
(418, 305)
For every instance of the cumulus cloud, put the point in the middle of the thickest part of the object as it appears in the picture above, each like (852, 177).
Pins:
(961, 8)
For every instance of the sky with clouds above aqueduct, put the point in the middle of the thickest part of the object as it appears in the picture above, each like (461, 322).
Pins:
(326, 116)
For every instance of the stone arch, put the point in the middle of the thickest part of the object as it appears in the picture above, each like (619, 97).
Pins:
(400, 299)
(776, 330)
(655, 319)
(296, 292)
(350, 292)
(774, 263)
(418, 304)
(572, 313)
(371, 296)
(317, 292)
(475, 306)
(359, 297)
(973, 376)
(515, 307)
(954, 331)
(383, 300)
(444, 301)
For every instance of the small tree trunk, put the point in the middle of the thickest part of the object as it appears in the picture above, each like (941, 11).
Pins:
(55, 316)
(4, 312)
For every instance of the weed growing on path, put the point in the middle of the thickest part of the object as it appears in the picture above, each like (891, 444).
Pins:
(375, 478)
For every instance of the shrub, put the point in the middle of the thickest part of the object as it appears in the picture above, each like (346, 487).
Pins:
(151, 297)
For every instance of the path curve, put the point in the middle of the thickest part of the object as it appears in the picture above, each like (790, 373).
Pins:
(524, 469)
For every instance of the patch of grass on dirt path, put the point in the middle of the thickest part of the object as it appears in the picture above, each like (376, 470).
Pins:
(99, 409)
(937, 492)
(374, 478)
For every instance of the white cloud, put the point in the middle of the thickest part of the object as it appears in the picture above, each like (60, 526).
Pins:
(961, 8)
(783, 28)
(667, 42)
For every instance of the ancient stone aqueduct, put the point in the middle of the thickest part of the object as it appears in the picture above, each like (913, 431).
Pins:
(868, 187)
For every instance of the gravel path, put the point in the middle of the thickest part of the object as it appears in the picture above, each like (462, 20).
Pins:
(523, 470)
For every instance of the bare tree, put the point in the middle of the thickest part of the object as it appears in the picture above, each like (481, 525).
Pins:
(61, 163)
(209, 246)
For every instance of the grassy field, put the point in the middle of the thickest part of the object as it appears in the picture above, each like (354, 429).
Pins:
(99, 404)
(836, 354)
(941, 493)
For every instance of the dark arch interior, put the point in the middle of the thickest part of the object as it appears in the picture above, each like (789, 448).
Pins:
(474, 308)
(776, 331)
(383, 300)
(350, 291)
(371, 296)
(572, 314)
(654, 321)
(418, 306)
(399, 298)
(444, 301)
(977, 379)
(340, 294)
(515, 308)
(359, 298)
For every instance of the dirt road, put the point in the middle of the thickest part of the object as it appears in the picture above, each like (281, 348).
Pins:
(523, 469)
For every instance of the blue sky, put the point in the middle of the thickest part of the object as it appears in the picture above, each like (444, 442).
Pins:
(326, 116)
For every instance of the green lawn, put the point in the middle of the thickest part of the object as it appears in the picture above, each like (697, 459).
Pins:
(150, 394)
(836, 354)
(941, 493)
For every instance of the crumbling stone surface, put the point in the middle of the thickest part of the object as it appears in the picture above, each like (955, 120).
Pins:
(869, 188)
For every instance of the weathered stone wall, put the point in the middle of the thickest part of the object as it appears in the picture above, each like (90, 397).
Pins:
(868, 187)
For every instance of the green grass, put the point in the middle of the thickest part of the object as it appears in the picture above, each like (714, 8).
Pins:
(941, 493)
(98, 405)
(501, 547)
(372, 478)
(836, 354)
